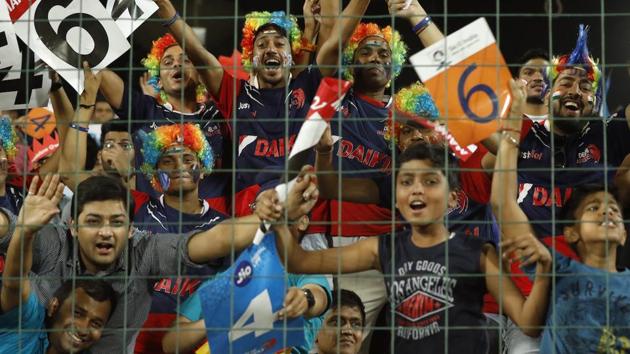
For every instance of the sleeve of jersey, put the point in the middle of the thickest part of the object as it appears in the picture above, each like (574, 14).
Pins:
(191, 308)
(474, 181)
(618, 135)
(132, 105)
(228, 93)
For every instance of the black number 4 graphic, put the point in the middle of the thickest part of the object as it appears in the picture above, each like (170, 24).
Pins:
(20, 85)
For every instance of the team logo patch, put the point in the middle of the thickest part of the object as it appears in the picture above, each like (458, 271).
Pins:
(297, 99)
(243, 274)
(590, 153)
(421, 305)
(462, 203)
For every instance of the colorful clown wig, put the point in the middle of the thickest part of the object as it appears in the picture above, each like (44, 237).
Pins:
(8, 137)
(257, 19)
(412, 101)
(391, 36)
(161, 139)
(579, 57)
(152, 64)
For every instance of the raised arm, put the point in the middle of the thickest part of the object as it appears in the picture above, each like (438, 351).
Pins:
(74, 146)
(208, 66)
(356, 190)
(112, 87)
(332, 49)
(38, 209)
(415, 14)
(511, 218)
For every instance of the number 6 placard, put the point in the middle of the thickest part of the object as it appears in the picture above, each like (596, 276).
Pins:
(467, 76)
(63, 33)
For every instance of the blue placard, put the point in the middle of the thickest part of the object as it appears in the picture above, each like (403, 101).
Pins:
(256, 284)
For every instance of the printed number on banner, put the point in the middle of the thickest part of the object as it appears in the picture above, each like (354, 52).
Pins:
(464, 98)
(71, 24)
(120, 6)
(21, 87)
(261, 310)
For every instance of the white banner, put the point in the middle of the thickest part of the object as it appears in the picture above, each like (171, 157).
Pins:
(130, 14)
(66, 32)
(19, 87)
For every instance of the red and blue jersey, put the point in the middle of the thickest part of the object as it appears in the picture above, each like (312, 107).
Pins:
(591, 156)
(170, 292)
(147, 114)
(362, 151)
(264, 124)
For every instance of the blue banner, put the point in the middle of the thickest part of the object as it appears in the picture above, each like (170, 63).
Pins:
(256, 284)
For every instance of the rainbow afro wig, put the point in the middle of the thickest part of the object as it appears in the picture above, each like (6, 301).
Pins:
(8, 137)
(257, 19)
(412, 101)
(152, 64)
(579, 57)
(391, 36)
(161, 139)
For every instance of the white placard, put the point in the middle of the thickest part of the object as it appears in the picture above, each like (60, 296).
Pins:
(130, 14)
(65, 32)
(25, 84)
(8, 40)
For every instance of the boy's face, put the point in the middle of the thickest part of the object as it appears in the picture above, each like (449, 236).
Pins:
(77, 326)
(177, 72)
(342, 329)
(422, 192)
(182, 167)
(102, 232)
(532, 73)
(599, 220)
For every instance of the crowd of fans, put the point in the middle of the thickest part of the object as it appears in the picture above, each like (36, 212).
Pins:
(107, 237)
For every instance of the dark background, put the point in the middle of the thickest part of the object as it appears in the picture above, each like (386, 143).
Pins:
(518, 25)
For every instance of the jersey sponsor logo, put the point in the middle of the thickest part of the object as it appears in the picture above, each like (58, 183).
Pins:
(590, 153)
(180, 286)
(542, 196)
(297, 99)
(243, 105)
(243, 274)
(366, 156)
(273, 147)
(532, 155)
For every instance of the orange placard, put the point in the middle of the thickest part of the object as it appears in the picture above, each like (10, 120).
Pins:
(469, 81)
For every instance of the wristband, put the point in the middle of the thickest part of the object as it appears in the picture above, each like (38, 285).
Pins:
(310, 298)
(171, 20)
(422, 25)
(78, 127)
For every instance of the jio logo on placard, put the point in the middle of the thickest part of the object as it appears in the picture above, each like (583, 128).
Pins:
(243, 274)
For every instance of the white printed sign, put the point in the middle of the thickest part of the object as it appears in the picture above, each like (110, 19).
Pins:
(130, 14)
(66, 32)
(20, 87)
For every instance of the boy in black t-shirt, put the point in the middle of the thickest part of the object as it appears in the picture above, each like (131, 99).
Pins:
(435, 280)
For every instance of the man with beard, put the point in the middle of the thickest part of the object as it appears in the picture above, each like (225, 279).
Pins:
(180, 97)
(258, 109)
(574, 146)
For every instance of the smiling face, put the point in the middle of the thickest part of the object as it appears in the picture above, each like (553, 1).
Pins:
(410, 134)
(77, 323)
(102, 232)
(342, 329)
(572, 97)
(271, 57)
(532, 73)
(177, 74)
(599, 220)
(422, 193)
(372, 60)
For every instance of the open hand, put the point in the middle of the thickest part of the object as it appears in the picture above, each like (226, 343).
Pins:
(295, 304)
(304, 194)
(527, 248)
(41, 204)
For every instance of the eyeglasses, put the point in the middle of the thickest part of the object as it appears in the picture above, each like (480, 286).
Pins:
(110, 145)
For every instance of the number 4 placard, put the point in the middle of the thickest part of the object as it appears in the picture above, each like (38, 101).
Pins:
(63, 33)
(130, 14)
(469, 80)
